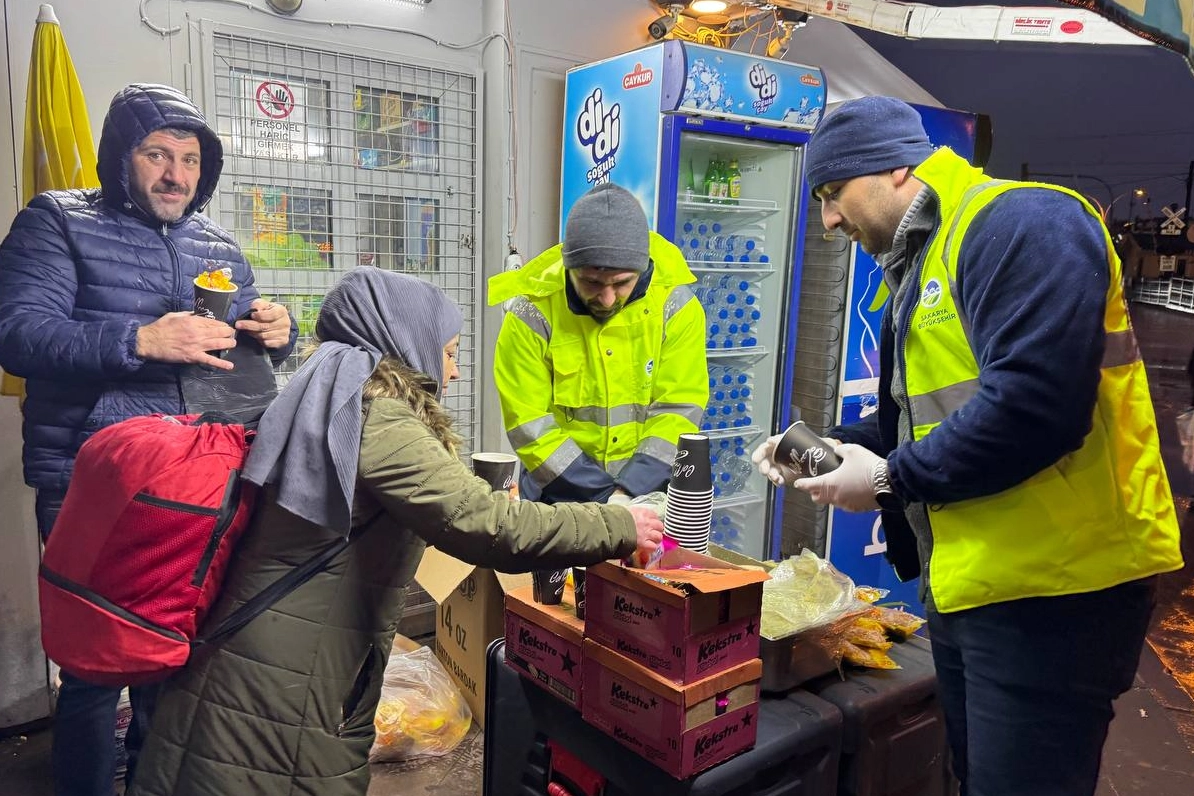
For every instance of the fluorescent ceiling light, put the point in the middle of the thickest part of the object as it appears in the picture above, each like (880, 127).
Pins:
(708, 6)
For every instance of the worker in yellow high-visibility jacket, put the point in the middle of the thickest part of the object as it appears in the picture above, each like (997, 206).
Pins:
(600, 362)
(1014, 454)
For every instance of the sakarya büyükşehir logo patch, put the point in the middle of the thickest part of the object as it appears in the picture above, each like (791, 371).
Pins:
(931, 295)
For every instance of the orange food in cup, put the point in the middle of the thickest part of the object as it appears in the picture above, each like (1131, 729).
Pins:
(215, 280)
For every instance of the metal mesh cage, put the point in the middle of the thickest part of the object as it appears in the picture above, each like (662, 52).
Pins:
(334, 160)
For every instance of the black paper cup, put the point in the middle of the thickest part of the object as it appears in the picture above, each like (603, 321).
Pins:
(678, 497)
(578, 585)
(212, 303)
(802, 450)
(691, 471)
(697, 524)
(547, 585)
(496, 468)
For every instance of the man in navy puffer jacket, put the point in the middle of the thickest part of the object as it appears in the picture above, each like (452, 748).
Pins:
(96, 299)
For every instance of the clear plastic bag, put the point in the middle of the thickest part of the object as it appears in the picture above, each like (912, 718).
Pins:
(421, 712)
(656, 501)
(806, 591)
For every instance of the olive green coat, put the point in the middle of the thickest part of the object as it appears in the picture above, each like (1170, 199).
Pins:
(285, 706)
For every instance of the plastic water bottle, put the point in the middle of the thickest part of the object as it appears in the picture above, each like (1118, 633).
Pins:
(738, 470)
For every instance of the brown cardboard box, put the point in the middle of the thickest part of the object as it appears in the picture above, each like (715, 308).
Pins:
(683, 729)
(690, 618)
(543, 642)
(469, 614)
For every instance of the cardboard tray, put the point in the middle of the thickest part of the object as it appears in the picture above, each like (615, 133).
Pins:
(792, 660)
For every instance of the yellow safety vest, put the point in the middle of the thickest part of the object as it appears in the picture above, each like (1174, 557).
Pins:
(571, 386)
(1102, 515)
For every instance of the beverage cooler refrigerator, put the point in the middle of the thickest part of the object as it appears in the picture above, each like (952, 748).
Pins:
(710, 141)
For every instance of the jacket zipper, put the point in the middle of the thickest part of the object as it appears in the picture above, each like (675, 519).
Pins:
(356, 691)
(905, 314)
(228, 509)
(177, 304)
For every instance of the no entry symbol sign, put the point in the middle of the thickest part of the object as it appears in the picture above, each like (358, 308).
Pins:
(275, 99)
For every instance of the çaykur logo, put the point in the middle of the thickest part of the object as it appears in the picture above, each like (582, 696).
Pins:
(765, 84)
(600, 130)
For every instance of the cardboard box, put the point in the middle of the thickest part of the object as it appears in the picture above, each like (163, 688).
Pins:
(543, 642)
(684, 623)
(470, 613)
(683, 729)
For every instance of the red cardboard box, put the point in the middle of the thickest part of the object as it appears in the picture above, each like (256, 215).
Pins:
(688, 619)
(683, 729)
(543, 642)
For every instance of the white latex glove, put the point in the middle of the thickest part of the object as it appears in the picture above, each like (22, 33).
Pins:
(851, 486)
(764, 459)
(618, 498)
(779, 474)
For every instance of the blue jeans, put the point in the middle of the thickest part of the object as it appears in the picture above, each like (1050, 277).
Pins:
(1027, 686)
(83, 749)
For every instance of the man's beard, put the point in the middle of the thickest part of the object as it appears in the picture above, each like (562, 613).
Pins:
(163, 212)
(603, 314)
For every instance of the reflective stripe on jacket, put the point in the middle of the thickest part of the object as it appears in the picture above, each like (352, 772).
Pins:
(1100, 516)
(572, 387)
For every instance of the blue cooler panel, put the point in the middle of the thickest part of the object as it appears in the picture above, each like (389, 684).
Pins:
(796, 754)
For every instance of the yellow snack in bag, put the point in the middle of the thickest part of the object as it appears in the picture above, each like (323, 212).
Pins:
(866, 656)
(898, 624)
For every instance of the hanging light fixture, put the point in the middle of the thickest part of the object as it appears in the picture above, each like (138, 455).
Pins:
(708, 6)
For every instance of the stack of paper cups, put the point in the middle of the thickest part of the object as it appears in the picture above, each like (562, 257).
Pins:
(690, 494)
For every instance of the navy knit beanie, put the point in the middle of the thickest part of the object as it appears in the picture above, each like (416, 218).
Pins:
(607, 228)
(865, 136)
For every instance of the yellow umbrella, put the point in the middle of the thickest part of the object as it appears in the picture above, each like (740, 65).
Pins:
(59, 152)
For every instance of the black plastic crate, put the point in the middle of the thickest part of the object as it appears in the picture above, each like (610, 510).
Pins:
(796, 753)
(893, 732)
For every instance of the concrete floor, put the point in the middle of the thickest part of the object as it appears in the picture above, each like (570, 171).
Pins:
(1150, 749)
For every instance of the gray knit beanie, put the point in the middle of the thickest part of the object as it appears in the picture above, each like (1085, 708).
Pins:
(607, 228)
(865, 136)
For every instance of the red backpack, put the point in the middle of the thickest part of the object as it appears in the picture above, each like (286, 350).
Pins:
(139, 551)
(140, 548)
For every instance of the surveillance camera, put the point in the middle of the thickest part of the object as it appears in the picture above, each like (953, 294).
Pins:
(284, 6)
(661, 27)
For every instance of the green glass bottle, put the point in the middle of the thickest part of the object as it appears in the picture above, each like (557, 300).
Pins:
(712, 179)
(733, 182)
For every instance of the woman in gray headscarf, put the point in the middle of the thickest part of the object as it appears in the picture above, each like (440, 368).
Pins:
(356, 439)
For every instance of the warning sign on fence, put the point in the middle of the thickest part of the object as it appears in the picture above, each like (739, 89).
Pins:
(275, 123)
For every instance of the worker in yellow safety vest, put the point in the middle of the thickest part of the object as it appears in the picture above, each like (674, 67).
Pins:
(1014, 454)
(600, 361)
